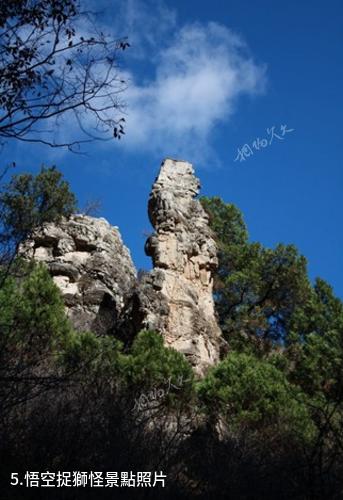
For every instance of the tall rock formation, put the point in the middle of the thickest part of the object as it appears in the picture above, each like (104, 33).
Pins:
(95, 273)
(92, 268)
(176, 296)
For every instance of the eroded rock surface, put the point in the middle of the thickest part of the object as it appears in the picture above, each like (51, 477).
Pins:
(95, 273)
(92, 268)
(176, 296)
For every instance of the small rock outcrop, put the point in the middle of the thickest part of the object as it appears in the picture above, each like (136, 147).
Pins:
(90, 265)
(176, 296)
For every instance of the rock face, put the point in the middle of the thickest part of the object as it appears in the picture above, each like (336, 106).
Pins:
(176, 296)
(97, 278)
(91, 266)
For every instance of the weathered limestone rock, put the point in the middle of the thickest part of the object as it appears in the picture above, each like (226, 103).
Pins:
(97, 278)
(176, 296)
(91, 266)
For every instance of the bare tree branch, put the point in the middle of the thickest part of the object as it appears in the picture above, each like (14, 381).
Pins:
(55, 63)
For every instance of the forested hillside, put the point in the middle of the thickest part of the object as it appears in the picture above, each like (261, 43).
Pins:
(264, 422)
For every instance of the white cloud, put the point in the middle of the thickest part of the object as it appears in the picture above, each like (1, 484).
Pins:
(197, 80)
(184, 80)
(147, 23)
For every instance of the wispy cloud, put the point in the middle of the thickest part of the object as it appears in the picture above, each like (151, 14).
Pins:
(197, 80)
(184, 80)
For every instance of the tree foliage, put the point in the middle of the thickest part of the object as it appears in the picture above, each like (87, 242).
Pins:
(266, 422)
(33, 327)
(257, 289)
(253, 394)
(316, 343)
(268, 308)
(28, 201)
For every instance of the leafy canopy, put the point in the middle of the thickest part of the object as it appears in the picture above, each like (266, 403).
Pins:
(28, 201)
(256, 289)
(251, 393)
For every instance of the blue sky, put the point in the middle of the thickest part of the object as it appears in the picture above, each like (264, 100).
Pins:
(207, 78)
